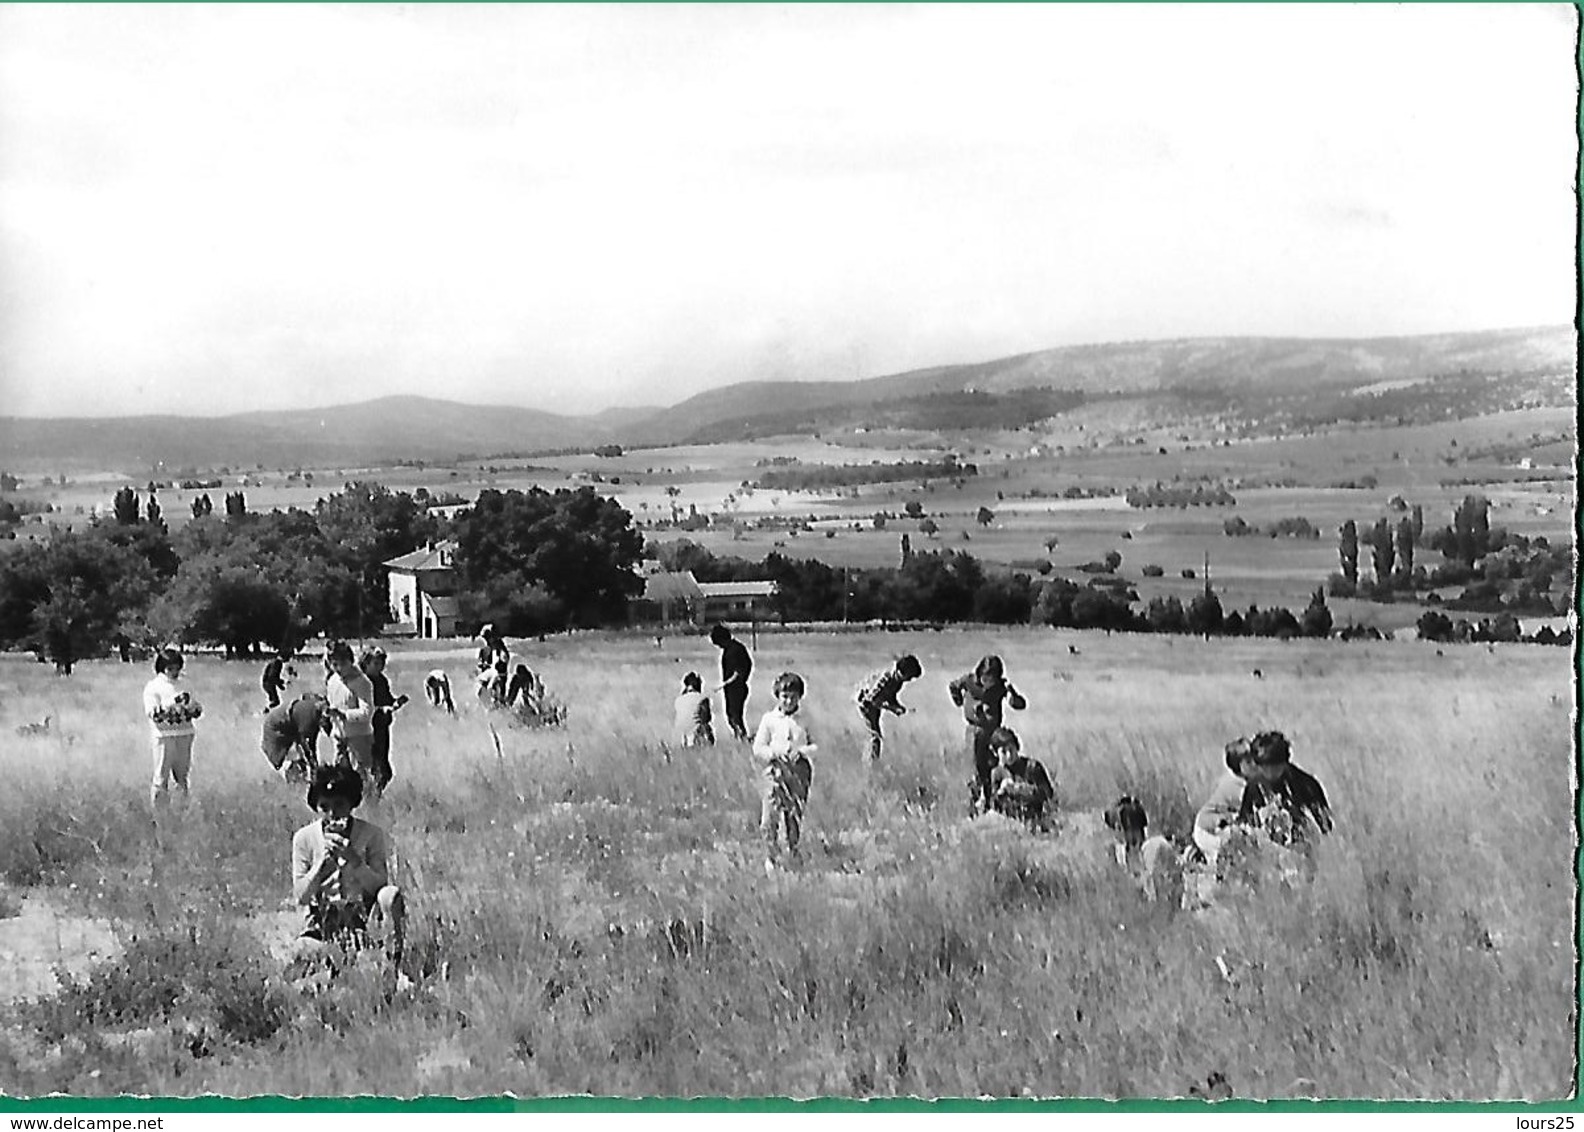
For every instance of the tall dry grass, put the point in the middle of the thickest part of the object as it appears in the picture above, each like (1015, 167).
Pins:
(590, 912)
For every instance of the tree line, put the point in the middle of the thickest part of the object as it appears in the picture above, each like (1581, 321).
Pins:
(953, 586)
(245, 580)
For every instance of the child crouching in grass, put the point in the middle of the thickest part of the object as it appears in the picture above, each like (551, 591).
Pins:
(782, 747)
(339, 874)
(1020, 788)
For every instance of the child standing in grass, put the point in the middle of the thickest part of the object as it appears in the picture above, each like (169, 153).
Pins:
(170, 711)
(782, 747)
(351, 699)
(372, 664)
(980, 694)
(274, 679)
(339, 873)
(736, 667)
(693, 719)
(878, 693)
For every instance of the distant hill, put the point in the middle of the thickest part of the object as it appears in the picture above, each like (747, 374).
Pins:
(387, 429)
(1293, 380)
(1258, 368)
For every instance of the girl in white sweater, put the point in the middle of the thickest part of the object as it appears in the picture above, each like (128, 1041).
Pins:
(170, 711)
(351, 699)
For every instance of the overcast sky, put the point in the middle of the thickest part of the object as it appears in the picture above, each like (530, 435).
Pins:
(213, 209)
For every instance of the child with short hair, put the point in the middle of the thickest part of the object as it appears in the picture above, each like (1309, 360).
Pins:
(693, 714)
(1019, 786)
(782, 746)
(878, 693)
(339, 873)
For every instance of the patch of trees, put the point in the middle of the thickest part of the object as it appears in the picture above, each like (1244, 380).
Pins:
(818, 477)
(536, 560)
(1111, 564)
(1237, 527)
(14, 511)
(1180, 495)
(1075, 491)
(1437, 626)
(608, 451)
(1500, 571)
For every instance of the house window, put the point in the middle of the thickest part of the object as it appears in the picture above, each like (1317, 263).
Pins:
(406, 607)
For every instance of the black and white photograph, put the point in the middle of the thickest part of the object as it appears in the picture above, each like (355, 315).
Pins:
(756, 550)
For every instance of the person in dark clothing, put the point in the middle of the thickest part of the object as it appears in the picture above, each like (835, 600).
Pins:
(980, 694)
(1304, 798)
(293, 729)
(372, 662)
(1019, 786)
(1295, 793)
(523, 687)
(736, 665)
(271, 681)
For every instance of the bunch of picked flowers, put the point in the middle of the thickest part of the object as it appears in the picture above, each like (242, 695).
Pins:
(184, 710)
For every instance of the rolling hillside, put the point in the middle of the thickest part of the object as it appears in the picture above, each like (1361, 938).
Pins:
(390, 428)
(1262, 379)
(1263, 369)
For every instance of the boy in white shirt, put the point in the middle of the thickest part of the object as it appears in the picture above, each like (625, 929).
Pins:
(782, 746)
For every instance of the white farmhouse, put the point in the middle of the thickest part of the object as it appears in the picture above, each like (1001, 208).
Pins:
(422, 588)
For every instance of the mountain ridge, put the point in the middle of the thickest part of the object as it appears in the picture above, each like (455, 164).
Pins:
(415, 427)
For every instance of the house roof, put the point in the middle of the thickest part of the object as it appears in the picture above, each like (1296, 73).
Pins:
(672, 587)
(442, 606)
(737, 589)
(436, 557)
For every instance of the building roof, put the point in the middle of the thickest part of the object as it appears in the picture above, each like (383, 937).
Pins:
(442, 606)
(436, 556)
(672, 587)
(737, 589)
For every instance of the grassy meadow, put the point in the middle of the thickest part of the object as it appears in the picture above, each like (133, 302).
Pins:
(590, 914)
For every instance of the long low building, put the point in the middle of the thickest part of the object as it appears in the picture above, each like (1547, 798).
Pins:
(677, 597)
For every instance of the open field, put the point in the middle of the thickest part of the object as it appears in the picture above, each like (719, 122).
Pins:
(590, 913)
(1320, 477)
